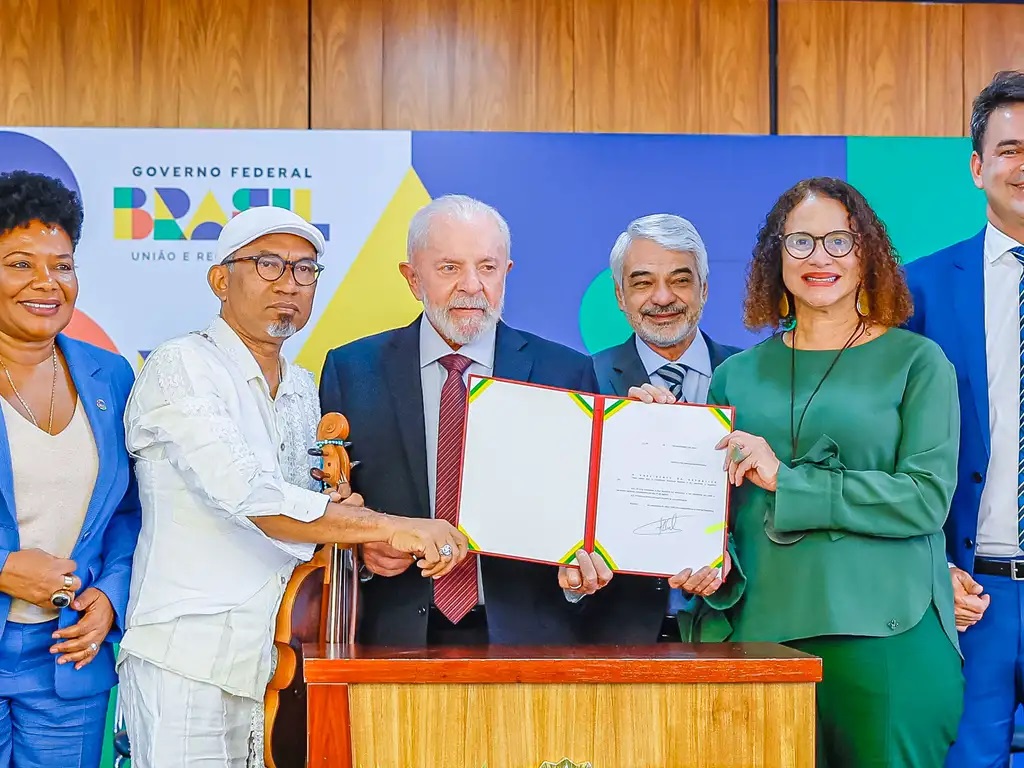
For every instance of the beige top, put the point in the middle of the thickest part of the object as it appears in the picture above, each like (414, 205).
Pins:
(54, 477)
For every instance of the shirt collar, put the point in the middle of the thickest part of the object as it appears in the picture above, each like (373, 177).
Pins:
(997, 244)
(225, 337)
(433, 347)
(696, 357)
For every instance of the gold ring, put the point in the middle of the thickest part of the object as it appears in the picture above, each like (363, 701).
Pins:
(68, 580)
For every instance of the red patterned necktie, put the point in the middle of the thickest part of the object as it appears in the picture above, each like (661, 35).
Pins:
(455, 594)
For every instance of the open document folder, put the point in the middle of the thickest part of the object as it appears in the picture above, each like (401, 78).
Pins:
(547, 472)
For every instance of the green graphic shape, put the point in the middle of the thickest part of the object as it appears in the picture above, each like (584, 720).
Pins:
(920, 187)
(602, 323)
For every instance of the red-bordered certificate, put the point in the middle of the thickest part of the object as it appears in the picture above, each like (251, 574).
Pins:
(547, 472)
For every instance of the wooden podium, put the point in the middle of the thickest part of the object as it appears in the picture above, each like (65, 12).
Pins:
(684, 706)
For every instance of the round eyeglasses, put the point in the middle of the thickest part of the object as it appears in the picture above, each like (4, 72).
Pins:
(270, 267)
(800, 245)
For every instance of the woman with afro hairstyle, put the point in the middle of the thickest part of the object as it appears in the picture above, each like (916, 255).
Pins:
(69, 508)
(843, 464)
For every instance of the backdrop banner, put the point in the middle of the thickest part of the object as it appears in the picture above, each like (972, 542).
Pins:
(155, 201)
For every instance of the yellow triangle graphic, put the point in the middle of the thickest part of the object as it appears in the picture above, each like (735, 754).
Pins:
(208, 210)
(374, 296)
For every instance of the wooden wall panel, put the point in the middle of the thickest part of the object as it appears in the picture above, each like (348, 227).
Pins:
(347, 77)
(865, 67)
(993, 40)
(663, 66)
(465, 64)
(733, 72)
(870, 68)
(166, 63)
(243, 63)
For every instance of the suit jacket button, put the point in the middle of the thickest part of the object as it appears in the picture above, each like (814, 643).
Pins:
(893, 624)
(969, 543)
(976, 477)
(422, 610)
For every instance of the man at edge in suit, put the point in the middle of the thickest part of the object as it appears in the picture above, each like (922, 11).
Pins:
(660, 268)
(403, 392)
(970, 299)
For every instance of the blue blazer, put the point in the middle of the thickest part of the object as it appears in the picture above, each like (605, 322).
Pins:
(949, 308)
(103, 553)
(631, 609)
(375, 383)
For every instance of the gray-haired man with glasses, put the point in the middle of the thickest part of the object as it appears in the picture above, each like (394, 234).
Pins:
(219, 423)
(660, 268)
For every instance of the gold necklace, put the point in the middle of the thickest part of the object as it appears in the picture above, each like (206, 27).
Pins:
(53, 392)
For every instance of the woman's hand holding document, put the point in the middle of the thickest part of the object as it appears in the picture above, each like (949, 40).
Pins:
(548, 472)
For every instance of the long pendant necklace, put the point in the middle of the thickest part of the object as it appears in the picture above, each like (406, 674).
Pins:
(53, 393)
(794, 432)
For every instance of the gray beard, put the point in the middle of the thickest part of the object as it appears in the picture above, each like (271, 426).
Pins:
(667, 337)
(442, 321)
(282, 329)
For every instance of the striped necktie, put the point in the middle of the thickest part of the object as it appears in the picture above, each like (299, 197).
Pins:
(455, 593)
(674, 375)
(1019, 253)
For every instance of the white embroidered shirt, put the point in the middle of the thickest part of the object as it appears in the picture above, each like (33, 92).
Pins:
(213, 449)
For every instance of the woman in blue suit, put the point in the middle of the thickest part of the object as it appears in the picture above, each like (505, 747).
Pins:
(69, 508)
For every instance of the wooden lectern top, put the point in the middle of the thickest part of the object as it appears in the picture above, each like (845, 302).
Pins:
(661, 663)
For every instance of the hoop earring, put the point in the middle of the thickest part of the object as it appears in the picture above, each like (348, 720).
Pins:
(787, 320)
(863, 305)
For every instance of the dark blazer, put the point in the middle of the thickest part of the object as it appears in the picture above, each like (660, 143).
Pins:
(630, 610)
(103, 552)
(949, 308)
(375, 383)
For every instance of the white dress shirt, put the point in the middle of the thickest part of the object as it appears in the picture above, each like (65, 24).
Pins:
(432, 378)
(213, 448)
(697, 360)
(997, 515)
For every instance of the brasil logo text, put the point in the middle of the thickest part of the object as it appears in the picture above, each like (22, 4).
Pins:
(166, 213)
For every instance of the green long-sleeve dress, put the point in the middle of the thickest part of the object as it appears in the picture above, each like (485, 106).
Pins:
(846, 559)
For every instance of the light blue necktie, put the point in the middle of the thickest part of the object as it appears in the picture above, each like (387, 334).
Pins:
(674, 375)
(1019, 253)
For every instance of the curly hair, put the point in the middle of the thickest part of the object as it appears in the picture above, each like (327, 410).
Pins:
(888, 298)
(26, 197)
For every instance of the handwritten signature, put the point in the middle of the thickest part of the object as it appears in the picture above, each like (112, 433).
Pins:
(658, 527)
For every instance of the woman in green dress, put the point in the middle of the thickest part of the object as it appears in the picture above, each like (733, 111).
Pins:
(843, 466)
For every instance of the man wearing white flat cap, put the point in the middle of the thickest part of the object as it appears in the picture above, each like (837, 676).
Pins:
(220, 424)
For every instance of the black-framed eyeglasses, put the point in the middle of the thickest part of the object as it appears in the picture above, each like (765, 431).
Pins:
(837, 243)
(270, 267)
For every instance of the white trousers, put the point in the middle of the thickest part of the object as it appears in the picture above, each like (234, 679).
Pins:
(175, 722)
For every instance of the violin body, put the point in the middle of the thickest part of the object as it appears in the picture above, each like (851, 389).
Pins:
(319, 607)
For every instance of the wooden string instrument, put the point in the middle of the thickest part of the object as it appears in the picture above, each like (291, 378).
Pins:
(319, 606)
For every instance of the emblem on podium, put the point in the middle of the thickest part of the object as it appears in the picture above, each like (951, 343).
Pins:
(565, 762)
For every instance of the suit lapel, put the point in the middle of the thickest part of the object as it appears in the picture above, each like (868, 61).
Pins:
(402, 372)
(512, 359)
(627, 368)
(96, 397)
(8, 515)
(715, 351)
(968, 286)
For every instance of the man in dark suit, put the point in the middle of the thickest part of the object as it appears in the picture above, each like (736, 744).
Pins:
(403, 392)
(660, 268)
(969, 298)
